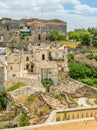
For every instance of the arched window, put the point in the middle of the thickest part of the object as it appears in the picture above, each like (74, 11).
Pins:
(43, 57)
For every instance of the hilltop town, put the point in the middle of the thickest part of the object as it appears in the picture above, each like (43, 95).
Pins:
(37, 81)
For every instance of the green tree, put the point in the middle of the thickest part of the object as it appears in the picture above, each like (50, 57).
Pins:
(55, 35)
(93, 32)
(80, 70)
(94, 38)
(85, 38)
(47, 83)
(75, 36)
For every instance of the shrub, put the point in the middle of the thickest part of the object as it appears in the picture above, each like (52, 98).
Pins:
(3, 100)
(95, 101)
(58, 96)
(31, 98)
(47, 83)
(15, 86)
(70, 57)
(73, 101)
(90, 56)
(95, 57)
(88, 95)
(46, 109)
(23, 119)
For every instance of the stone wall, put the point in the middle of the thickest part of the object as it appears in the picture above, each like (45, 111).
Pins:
(72, 114)
(1, 77)
(7, 118)
(86, 90)
(85, 124)
(8, 115)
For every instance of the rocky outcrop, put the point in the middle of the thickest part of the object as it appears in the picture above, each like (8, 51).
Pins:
(75, 88)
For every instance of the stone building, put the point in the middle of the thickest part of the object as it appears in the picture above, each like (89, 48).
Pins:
(38, 29)
(47, 62)
(1, 38)
(28, 63)
(14, 65)
(2, 76)
(50, 62)
(3, 58)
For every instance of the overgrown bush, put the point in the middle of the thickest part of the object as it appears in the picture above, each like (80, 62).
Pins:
(15, 86)
(90, 56)
(58, 96)
(95, 57)
(23, 119)
(95, 101)
(83, 73)
(3, 100)
(70, 57)
(31, 98)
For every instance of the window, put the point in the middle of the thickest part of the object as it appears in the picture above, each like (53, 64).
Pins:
(31, 68)
(43, 57)
(14, 75)
(7, 27)
(5, 58)
(27, 58)
(39, 37)
(27, 66)
(11, 68)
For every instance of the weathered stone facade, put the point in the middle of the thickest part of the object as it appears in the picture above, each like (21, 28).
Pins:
(13, 65)
(39, 29)
(1, 76)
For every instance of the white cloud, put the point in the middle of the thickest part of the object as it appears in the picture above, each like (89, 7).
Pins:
(77, 2)
(3, 5)
(81, 9)
(81, 15)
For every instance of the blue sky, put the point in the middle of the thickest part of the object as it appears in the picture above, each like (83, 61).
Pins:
(77, 13)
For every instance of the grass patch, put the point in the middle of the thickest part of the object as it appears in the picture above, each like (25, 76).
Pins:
(88, 95)
(58, 96)
(31, 98)
(23, 119)
(70, 44)
(46, 109)
(73, 101)
(15, 86)
(95, 101)
(94, 51)
(89, 81)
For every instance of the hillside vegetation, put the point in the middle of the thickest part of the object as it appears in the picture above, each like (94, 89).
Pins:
(83, 73)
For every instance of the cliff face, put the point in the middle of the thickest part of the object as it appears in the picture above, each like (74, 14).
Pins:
(9, 27)
(54, 24)
(47, 25)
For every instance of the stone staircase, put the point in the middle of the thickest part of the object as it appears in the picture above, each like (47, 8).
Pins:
(52, 102)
